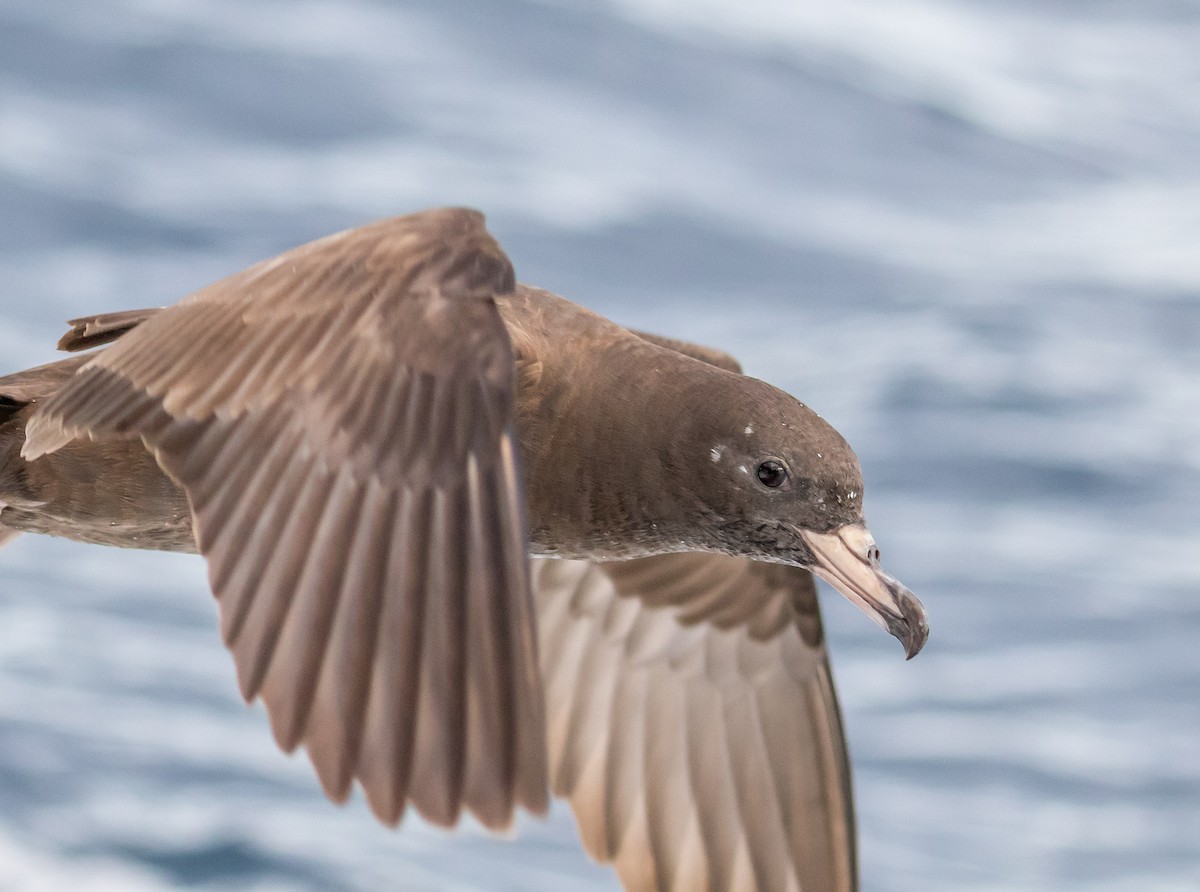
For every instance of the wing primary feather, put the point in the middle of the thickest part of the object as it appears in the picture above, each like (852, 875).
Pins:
(592, 720)
(290, 683)
(335, 724)
(302, 287)
(436, 786)
(227, 523)
(273, 594)
(385, 762)
(635, 861)
(710, 775)
(832, 772)
(668, 808)
(211, 454)
(786, 734)
(624, 759)
(691, 871)
(532, 782)
(238, 553)
(588, 740)
(554, 625)
(564, 695)
(490, 760)
(204, 455)
(757, 803)
(568, 641)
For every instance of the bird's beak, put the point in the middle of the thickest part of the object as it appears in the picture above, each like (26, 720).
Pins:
(849, 561)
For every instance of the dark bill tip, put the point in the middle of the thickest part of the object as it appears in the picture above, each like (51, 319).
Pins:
(909, 624)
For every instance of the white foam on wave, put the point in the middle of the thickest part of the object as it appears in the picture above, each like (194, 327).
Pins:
(148, 752)
(1028, 72)
(1039, 843)
(315, 29)
(26, 868)
(1078, 85)
(544, 161)
(1133, 232)
(575, 156)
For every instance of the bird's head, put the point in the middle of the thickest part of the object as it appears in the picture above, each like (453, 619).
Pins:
(783, 486)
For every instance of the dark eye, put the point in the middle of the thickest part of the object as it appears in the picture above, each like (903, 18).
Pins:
(772, 473)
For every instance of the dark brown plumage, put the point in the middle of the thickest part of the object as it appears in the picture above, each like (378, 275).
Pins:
(367, 436)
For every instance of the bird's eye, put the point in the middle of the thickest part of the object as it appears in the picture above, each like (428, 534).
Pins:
(772, 473)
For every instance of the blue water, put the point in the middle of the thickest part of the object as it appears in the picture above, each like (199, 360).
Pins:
(967, 232)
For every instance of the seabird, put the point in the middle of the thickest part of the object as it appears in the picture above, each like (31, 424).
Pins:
(367, 438)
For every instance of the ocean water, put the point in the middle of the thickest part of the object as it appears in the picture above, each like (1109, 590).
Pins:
(966, 232)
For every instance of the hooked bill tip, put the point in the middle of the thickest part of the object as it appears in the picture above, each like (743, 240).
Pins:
(911, 626)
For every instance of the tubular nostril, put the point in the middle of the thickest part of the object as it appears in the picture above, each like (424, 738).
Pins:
(873, 554)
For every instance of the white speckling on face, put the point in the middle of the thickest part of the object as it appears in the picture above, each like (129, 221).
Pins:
(742, 468)
(716, 452)
(749, 428)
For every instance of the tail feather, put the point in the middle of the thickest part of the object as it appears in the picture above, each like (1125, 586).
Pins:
(93, 331)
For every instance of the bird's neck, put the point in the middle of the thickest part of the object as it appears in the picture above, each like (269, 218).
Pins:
(599, 430)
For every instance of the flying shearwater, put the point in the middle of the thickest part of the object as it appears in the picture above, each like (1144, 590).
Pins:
(368, 437)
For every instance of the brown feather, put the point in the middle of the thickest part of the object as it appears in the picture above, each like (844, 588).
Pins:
(277, 399)
(339, 430)
(695, 754)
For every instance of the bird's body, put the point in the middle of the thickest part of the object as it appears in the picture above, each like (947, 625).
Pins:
(583, 449)
(367, 437)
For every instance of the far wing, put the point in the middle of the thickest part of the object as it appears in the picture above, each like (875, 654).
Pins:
(711, 355)
(693, 723)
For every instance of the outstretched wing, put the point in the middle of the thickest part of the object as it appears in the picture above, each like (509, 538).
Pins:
(693, 724)
(341, 419)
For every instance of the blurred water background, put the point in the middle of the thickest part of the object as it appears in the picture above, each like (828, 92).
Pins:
(966, 231)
